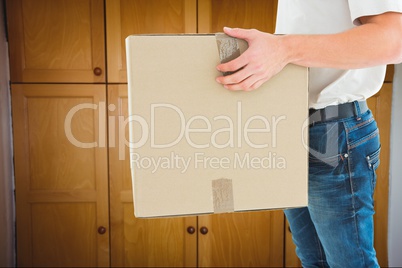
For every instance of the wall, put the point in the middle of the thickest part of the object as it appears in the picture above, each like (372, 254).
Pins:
(395, 206)
(7, 258)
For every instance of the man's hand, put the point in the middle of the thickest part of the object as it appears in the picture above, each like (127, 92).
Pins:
(263, 59)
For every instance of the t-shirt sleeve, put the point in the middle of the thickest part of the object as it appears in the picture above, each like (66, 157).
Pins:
(360, 8)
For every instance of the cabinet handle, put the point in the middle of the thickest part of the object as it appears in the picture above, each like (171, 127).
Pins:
(190, 230)
(101, 230)
(204, 230)
(98, 71)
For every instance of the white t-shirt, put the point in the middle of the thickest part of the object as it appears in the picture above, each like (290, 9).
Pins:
(334, 86)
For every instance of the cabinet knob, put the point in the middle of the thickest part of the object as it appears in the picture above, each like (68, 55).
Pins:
(190, 230)
(98, 71)
(101, 230)
(204, 230)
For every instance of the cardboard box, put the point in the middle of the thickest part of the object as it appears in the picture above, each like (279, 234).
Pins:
(196, 147)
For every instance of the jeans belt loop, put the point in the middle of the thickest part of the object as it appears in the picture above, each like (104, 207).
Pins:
(357, 109)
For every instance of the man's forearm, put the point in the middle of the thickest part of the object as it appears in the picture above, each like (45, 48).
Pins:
(368, 45)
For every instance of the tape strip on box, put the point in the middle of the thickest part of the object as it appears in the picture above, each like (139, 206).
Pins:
(229, 48)
(222, 193)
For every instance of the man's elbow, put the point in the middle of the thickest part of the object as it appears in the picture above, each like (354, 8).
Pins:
(395, 42)
(389, 27)
(396, 50)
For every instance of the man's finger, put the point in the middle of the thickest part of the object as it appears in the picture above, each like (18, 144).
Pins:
(233, 65)
(234, 78)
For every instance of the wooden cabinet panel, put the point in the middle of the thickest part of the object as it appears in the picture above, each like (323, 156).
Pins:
(60, 175)
(248, 239)
(213, 15)
(139, 242)
(127, 17)
(380, 105)
(56, 40)
(72, 226)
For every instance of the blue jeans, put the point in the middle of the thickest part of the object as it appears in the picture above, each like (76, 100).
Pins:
(336, 229)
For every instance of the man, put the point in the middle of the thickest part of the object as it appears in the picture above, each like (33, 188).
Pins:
(346, 44)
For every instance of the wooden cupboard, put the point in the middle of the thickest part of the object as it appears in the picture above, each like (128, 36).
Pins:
(73, 184)
(61, 175)
(213, 15)
(254, 239)
(140, 242)
(56, 41)
(380, 105)
(126, 17)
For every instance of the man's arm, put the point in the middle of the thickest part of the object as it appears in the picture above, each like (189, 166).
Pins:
(377, 41)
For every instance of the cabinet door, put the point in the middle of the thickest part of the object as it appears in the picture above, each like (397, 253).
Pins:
(127, 17)
(140, 242)
(61, 175)
(251, 239)
(213, 15)
(56, 40)
(380, 105)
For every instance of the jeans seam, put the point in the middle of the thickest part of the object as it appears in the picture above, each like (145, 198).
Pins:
(349, 148)
(320, 249)
(358, 238)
